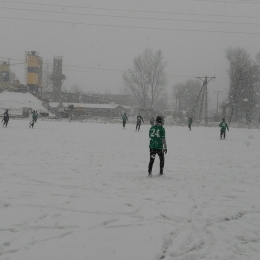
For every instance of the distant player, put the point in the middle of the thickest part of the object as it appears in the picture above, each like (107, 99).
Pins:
(124, 118)
(190, 122)
(34, 117)
(223, 126)
(139, 122)
(157, 144)
(5, 119)
(152, 121)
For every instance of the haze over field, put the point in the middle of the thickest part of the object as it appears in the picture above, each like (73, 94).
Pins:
(99, 39)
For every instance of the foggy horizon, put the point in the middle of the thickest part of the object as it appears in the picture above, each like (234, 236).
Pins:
(98, 40)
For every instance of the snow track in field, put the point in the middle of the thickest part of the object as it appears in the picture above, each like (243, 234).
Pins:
(81, 191)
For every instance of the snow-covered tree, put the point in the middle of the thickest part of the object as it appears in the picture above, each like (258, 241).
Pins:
(147, 79)
(161, 103)
(244, 79)
(185, 96)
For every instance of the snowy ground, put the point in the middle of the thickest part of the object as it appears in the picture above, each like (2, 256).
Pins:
(80, 191)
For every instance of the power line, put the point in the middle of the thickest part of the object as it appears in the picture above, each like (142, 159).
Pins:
(217, 93)
(129, 26)
(92, 68)
(102, 70)
(120, 72)
(204, 97)
(10, 58)
(116, 71)
(65, 65)
(12, 64)
(229, 2)
(127, 10)
(131, 17)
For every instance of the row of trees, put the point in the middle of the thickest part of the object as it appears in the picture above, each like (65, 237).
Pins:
(185, 95)
(244, 72)
(243, 101)
(147, 79)
(146, 82)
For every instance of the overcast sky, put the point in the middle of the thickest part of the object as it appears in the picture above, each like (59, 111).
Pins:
(99, 39)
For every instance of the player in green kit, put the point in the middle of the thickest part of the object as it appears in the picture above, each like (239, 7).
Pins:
(157, 144)
(223, 126)
(125, 118)
(190, 122)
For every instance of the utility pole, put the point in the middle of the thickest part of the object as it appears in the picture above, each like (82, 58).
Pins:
(205, 81)
(217, 92)
(233, 99)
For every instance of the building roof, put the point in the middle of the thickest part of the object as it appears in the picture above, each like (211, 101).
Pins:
(86, 105)
(18, 100)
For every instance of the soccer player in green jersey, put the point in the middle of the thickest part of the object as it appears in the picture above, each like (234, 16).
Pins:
(125, 118)
(139, 122)
(157, 144)
(190, 122)
(223, 126)
(33, 119)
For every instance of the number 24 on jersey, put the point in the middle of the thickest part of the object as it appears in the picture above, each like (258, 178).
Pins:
(155, 133)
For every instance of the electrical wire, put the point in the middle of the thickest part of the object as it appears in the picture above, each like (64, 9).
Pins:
(123, 10)
(98, 70)
(132, 27)
(132, 17)
(229, 2)
(12, 64)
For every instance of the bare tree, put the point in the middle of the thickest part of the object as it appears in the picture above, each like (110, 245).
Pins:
(178, 94)
(161, 104)
(46, 77)
(244, 78)
(147, 79)
(185, 95)
(258, 86)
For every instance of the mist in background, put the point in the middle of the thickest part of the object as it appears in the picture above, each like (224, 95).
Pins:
(99, 39)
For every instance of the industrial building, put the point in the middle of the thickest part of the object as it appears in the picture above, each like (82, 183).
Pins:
(62, 104)
(33, 71)
(4, 74)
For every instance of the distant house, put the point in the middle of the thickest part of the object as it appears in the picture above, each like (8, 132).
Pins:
(119, 99)
(78, 109)
(77, 97)
(20, 104)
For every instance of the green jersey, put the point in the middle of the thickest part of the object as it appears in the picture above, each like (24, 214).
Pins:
(34, 116)
(156, 134)
(190, 121)
(124, 117)
(223, 126)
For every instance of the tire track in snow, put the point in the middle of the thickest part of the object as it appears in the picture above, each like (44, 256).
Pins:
(191, 238)
(20, 230)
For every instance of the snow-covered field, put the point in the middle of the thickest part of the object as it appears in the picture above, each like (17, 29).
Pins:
(79, 191)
